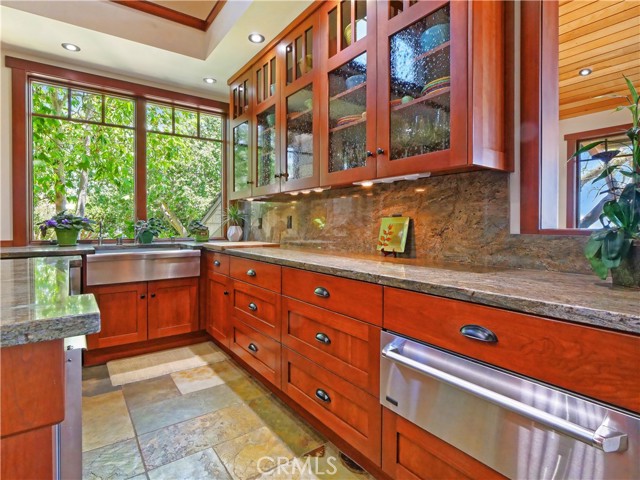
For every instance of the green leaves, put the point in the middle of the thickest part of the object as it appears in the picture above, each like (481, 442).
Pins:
(586, 148)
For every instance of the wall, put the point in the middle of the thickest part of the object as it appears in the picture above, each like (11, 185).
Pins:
(462, 218)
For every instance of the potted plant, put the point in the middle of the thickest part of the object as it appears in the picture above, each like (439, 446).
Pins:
(234, 219)
(67, 227)
(147, 229)
(616, 246)
(199, 230)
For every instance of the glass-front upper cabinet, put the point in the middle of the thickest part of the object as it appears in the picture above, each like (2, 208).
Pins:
(349, 92)
(300, 101)
(239, 175)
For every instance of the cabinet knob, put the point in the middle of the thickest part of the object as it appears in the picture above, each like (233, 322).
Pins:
(322, 395)
(252, 347)
(277, 175)
(285, 175)
(142, 297)
(321, 292)
(323, 338)
(380, 151)
(251, 272)
(369, 153)
(225, 293)
(253, 307)
(249, 182)
(153, 295)
(216, 263)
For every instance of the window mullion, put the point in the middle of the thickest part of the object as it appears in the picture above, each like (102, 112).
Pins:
(140, 181)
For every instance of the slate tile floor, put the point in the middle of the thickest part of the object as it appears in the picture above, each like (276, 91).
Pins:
(211, 422)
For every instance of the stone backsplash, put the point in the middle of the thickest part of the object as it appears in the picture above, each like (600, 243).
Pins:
(462, 218)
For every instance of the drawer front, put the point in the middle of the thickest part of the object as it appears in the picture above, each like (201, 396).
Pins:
(257, 307)
(344, 408)
(257, 273)
(257, 350)
(563, 354)
(217, 262)
(347, 347)
(354, 298)
(410, 453)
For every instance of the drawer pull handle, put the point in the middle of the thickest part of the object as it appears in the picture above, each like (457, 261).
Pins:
(252, 347)
(225, 292)
(323, 338)
(216, 263)
(476, 332)
(321, 292)
(253, 307)
(251, 272)
(322, 395)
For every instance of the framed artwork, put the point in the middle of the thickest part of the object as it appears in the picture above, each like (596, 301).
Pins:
(393, 234)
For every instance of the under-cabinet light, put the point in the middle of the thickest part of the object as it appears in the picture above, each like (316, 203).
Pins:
(584, 72)
(71, 47)
(415, 176)
(366, 183)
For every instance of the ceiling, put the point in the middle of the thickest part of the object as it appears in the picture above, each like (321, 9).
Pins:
(198, 14)
(127, 43)
(602, 35)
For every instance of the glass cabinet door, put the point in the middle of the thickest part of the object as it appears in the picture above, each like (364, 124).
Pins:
(265, 154)
(240, 181)
(300, 140)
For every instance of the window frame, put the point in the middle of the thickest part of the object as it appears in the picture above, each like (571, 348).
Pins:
(23, 72)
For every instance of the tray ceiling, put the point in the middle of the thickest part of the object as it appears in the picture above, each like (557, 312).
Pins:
(198, 14)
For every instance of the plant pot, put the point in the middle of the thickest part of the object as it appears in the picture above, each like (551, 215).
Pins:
(201, 236)
(234, 233)
(146, 237)
(628, 273)
(67, 237)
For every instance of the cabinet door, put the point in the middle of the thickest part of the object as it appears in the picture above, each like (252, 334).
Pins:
(123, 314)
(348, 123)
(173, 307)
(240, 176)
(218, 293)
(410, 453)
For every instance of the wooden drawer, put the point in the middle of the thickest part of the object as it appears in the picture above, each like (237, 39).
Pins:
(354, 298)
(257, 273)
(217, 262)
(257, 350)
(350, 412)
(257, 307)
(345, 346)
(411, 453)
(594, 362)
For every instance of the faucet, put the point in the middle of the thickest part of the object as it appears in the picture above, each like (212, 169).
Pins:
(100, 233)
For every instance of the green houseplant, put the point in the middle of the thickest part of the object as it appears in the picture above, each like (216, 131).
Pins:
(612, 247)
(67, 227)
(234, 219)
(147, 229)
(199, 230)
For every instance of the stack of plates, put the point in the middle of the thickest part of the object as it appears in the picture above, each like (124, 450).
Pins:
(437, 84)
(348, 119)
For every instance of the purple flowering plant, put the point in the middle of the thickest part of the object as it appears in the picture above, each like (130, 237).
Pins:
(66, 221)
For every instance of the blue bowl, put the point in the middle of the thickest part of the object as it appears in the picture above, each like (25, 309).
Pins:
(355, 80)
(434, 36)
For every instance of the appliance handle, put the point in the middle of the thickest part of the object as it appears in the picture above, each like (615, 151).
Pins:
(603, 438)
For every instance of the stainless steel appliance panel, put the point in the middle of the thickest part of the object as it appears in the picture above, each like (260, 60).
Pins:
(519, 427)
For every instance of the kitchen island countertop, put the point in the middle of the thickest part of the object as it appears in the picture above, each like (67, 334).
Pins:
(583, 299)
(35, 303)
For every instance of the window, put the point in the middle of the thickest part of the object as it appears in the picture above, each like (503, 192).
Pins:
(83, 152)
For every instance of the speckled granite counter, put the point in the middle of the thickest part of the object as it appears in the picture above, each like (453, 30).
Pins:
(45, 251)
(577, 298)
(35, 304)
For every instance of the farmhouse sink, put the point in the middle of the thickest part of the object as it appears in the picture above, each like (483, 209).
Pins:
(110, 266)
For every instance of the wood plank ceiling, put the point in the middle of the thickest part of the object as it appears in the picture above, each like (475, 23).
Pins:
(603, 35)
(192, 13)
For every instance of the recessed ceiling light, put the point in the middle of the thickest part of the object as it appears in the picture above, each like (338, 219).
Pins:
(256, 38)
(71, 47)
(584, 72)
(209, 80)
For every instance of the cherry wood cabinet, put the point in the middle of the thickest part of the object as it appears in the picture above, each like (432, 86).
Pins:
(411, 453)
(218, 293)
(261, 274)
(239, 172)
(123, 314)
(257, 307)
(260, 352)
(172, 307)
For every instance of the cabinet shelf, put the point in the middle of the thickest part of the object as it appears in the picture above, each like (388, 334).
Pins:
(348, 92)
(429, 96)
(433, 51)
(296, 115)
(347, 125)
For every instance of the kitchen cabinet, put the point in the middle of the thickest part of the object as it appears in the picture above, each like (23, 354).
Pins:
(217, 309)
(239, 177)
(135, 312)
(260, 352)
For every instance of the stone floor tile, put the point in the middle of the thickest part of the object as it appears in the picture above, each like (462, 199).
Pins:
(105, 420)
(204, 465)
(326, 462)
(246, 388)
(206, 376)
(256, 452)
(120, 460)
(177, 441)
(142, 476)
(181, 408)
(97, 386)
(148, 392)
(286, 424)
(99, 372)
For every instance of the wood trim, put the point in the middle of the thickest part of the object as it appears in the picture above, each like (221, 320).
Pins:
(6, 243)
(168, 13)
(214, 13)
(19, 172)
(509, 79)
(118, 86)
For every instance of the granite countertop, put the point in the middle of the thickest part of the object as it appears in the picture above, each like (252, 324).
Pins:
(45, 251)
(35, 304)
(578, 298)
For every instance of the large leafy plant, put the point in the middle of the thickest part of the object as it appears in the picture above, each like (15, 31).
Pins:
(620, 217)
